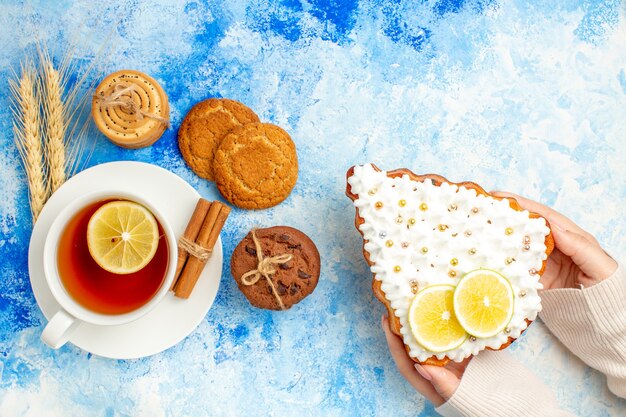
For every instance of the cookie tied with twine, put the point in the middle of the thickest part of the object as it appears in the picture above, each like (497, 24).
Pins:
(131, 109)
(265, 268)
(276, 267)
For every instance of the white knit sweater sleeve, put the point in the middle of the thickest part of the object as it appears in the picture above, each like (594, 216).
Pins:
(590, 322)
(495, 384)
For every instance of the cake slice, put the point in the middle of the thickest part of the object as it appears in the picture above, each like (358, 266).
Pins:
(422, 235)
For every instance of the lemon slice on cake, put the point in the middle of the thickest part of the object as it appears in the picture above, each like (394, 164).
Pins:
(122, 237)
(432, 319)
(483, 302)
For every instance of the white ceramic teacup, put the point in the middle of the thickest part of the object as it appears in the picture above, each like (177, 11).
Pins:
(59, 328)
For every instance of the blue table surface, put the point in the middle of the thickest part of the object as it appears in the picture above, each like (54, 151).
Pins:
(515, 95)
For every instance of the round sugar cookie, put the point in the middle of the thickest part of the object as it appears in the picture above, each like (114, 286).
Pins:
(256, 166)
(204, 127)
(293, 280)
(131, 109)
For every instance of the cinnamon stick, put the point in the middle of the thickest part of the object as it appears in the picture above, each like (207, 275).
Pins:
(191, 233)
(210, 231)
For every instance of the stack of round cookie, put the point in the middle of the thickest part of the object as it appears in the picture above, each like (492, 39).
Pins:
(254, 164)
(131, 109)
(292, 279)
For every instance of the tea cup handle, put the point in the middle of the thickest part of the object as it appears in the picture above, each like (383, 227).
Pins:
(58, 330)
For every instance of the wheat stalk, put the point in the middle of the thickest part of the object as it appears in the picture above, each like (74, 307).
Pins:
(27, 134)
(51, 122)
(55, 121)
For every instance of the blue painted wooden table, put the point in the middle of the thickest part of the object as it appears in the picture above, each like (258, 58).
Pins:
(520, 97)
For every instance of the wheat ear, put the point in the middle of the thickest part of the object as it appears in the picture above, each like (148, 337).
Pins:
(55, 124)
(27, 134)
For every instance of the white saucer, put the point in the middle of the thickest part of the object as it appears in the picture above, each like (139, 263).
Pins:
(173, 318)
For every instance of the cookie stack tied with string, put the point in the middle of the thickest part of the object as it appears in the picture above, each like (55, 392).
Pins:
(131, 109)
(253, 164)
(457, 268)
(276, 267)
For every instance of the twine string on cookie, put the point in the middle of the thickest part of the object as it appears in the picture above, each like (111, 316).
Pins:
(265, 268)
(121, 98)
(194, 249)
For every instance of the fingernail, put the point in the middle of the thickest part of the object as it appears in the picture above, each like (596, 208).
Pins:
(423, 372)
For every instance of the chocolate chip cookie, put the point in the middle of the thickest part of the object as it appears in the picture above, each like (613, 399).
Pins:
(292, 280)
(204, 127)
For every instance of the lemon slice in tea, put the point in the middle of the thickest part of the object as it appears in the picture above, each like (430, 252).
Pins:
(483, 302)
(432, 319)
(122, 237)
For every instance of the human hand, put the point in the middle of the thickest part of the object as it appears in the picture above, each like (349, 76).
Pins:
(436, 383)
(577, 260)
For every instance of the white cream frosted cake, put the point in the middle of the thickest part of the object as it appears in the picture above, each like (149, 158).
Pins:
(423, 236)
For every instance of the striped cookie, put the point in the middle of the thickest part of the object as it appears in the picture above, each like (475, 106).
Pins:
(130, 109)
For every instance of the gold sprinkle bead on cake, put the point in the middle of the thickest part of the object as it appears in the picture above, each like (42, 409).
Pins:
(389, 243)
(509, 261)
(423, 206)
(414, 287)
(472, 251)
(379, 204)
(526, 248)
(532, 271)
(405, 245)
(424, 249)
(452, 273)
(399, 219)
(402, 203)
(526, 240)
(454, 262)
(522, 293)
(468, 233)
(508, 231)
(475, 210)
(442, 227)
(411, 221)
(372, 191)
(452, 207)
(397, 268)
